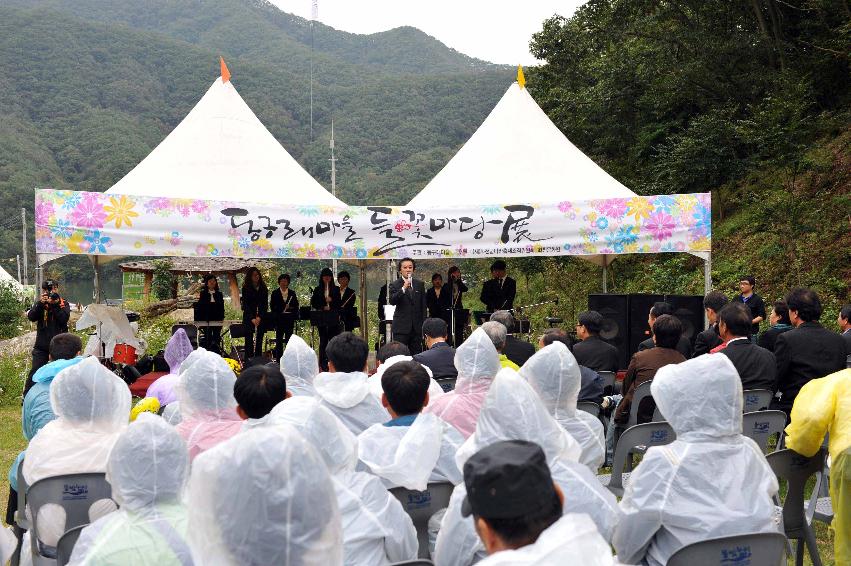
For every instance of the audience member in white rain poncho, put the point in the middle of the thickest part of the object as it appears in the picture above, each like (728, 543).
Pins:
(513, 411)
(434, 388)
(410, 449)
(710, 482)
(148, 469)
(177, 350)
(171, 414)
(92, 408)
(299, 366)
(264, 497)
(345, 389)
(207, 405)
(554, 375)
(477, 362)
(376, 530)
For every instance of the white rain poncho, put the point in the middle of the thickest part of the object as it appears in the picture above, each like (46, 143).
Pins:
(375, 387)
(207, 404)
(347, 396)
(177, 350)
(573, 539)
(148, 468)
(513, 411)
(376, 530)
(710, 482)
(171, 414)
(412, 456)
(92, 408)
(299, 366)
(477, 362)
(264, 497)
(554, 375)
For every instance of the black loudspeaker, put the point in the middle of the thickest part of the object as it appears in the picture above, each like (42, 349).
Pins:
(639, 309)
(689, 309)
(615, 329)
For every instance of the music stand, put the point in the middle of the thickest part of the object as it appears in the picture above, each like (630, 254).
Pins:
(454, 313)
(481, 317)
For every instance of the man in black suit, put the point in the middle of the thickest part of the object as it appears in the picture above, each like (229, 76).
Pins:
(844, 320)
(516, 350)
(756, 366)
(498, 293)
(592, 352)
(713, 302)
(657, 310)
(409, 297)
(806, 352)
(438, 356)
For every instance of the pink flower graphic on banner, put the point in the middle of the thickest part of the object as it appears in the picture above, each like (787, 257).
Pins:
(661, 225)
(43, 212)
(613, 207)
(89, 213)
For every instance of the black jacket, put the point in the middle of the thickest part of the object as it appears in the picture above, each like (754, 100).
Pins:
(706, 340)
(410, 306)
(277, 303)
(458, 303)
(756, 366)
(50, 320)
(591, 388)
(382, 302)
(847, 337)
(683, 346)
(317, 299)
(440, 359)
(804, 353)
(518, 351)
(769, 338)
(757, 307)
(210, 310)
(437, 305)
(596, 354)
(254, 302)
(348, 307)
(498, 298)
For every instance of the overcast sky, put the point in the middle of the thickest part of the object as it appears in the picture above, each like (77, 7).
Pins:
(494, 31)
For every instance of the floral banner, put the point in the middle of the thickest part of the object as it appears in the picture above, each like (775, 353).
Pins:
(70, 222)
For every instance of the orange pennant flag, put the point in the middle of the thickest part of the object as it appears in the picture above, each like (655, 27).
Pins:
(225, 72)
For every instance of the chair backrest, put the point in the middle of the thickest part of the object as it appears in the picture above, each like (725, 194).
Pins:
(608, 381)
(65, 546)
(760, 425)
(647, 434)
(756, 400)
(642, 392)
(421, 505)
(589, 407)
(796, 470)
(75, 493)
(417, 562)
(20, 514)
(446, 383)
(758, 549)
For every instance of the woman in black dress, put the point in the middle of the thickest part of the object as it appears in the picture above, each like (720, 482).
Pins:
(284, 308)
(455, 289)
(255, 306)
(348, 308)
(210, 307)
(326, 298)
(437, 298)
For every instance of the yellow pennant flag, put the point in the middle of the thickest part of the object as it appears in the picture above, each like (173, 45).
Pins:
(521, 80)
(225, 71)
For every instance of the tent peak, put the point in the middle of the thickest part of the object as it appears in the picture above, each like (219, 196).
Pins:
(521, 80)
(225, 71)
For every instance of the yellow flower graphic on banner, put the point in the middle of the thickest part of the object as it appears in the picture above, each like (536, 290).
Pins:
(120, 211)
(639, 207)
(76, 243)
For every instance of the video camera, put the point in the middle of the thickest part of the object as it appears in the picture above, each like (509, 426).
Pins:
(47, 287)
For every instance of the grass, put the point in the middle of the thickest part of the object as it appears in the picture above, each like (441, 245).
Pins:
(11, 443)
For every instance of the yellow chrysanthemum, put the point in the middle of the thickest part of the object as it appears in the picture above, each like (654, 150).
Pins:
(120, 211)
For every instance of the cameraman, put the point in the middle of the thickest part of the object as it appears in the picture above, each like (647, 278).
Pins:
(50, 313)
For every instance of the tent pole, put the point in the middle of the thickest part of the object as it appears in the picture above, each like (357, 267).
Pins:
(97, 292)
(364, 319)
(707, 282)
(605, 274)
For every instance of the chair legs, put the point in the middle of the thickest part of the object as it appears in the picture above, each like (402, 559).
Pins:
(808, 541)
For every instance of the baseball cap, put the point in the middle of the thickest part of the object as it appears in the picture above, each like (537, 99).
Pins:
(507, 479)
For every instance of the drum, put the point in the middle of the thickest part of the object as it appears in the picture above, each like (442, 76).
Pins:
(124, 354)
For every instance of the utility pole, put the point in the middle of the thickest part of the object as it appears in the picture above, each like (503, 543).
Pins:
(314, 14)
(333, 183)
(24, 243)
(18, 258)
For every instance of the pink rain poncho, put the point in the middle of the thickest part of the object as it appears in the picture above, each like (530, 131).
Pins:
(207, 406)
(177, 350)
(477, 362)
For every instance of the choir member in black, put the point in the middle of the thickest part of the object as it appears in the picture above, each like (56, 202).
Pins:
(283, 305)
(326, 297)
(437, 298)
(498, 293)
(382, 321)
(210, 307)
(348, 305)
(255, 306)
(456, 288)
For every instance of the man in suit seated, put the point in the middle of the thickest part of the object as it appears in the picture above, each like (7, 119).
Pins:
(592, 351)
(756, 366)
(516, 350)
(408, 295)
(438, 356)
(844, 320)
(591, 386)
(713, 302)
(657, 310)
(499, 292)
(808, 351)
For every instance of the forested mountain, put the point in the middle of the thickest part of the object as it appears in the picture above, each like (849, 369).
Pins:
(89, 88)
